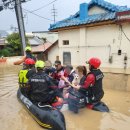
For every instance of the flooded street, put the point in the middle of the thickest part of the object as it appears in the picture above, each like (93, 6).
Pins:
(13, 115)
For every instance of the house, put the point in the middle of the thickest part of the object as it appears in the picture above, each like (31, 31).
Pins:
(44, 45)
(49, 36)
(3, 35)
(2, 43)
(47, 51)
(99, 29)
(33, 40)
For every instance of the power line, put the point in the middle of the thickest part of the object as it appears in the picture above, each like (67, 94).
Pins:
(10, 1)
(37, 15)
(125, 34)
(43, 6)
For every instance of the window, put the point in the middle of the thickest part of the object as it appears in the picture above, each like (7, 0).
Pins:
(66, 58)
(65, 42)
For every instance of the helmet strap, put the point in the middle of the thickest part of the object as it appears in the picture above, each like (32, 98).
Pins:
(92, 68)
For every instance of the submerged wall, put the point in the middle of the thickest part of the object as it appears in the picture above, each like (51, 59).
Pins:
(117, 81)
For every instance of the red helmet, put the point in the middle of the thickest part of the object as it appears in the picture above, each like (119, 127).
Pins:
(29, 61)
(95, 62)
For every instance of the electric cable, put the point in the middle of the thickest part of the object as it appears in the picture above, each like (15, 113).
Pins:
(37, 15)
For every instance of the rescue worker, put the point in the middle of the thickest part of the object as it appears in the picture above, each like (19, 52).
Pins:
(26, 73)
(92, 87)
(50, 72)
(42, 89)
(30, 64)
(28, 52)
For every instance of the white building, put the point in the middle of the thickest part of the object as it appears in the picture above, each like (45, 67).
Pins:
(95, 31)
(98, 29)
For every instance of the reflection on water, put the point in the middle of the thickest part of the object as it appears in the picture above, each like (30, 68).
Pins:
(115, 121)
(13, 116)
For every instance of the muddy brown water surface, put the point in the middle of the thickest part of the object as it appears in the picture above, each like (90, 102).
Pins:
(13, 115)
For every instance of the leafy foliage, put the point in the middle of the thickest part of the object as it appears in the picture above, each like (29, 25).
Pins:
(14, 43)
(5, 52)
(14, 46)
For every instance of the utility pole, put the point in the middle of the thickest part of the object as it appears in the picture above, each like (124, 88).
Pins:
(11, 4)
(54, 13)
(1, 6)
(19, 16)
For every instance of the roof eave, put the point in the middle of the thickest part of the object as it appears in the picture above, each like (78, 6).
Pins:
(85, 25)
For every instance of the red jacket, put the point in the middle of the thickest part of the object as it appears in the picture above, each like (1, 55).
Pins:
(90, 80)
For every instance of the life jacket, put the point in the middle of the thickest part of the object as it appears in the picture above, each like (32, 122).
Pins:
(82, 80)
(96, 91)
(40, 90)
(22, 78)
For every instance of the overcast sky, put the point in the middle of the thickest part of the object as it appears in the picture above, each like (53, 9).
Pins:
(65, 8)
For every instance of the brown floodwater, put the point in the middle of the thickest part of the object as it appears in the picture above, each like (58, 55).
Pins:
(13, 116)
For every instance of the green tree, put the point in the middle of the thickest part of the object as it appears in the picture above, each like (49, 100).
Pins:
(14, 43)
(5, 52)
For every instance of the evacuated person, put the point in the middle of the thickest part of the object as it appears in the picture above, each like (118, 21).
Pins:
(69, 73)
(76, 99)
(69, 76)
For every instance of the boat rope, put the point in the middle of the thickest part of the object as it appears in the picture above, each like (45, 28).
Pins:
(44, 105)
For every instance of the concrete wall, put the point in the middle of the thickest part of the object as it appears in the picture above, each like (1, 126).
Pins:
(11, 60)
(104, 41)
(117, 81)
(101, 41)
(53, 52)
(128, 83)
(73, 47)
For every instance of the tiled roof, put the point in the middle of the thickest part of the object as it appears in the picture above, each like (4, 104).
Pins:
(74, 20)
(108, 6)
(35, 41)
(41, 48)
(44, 47)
